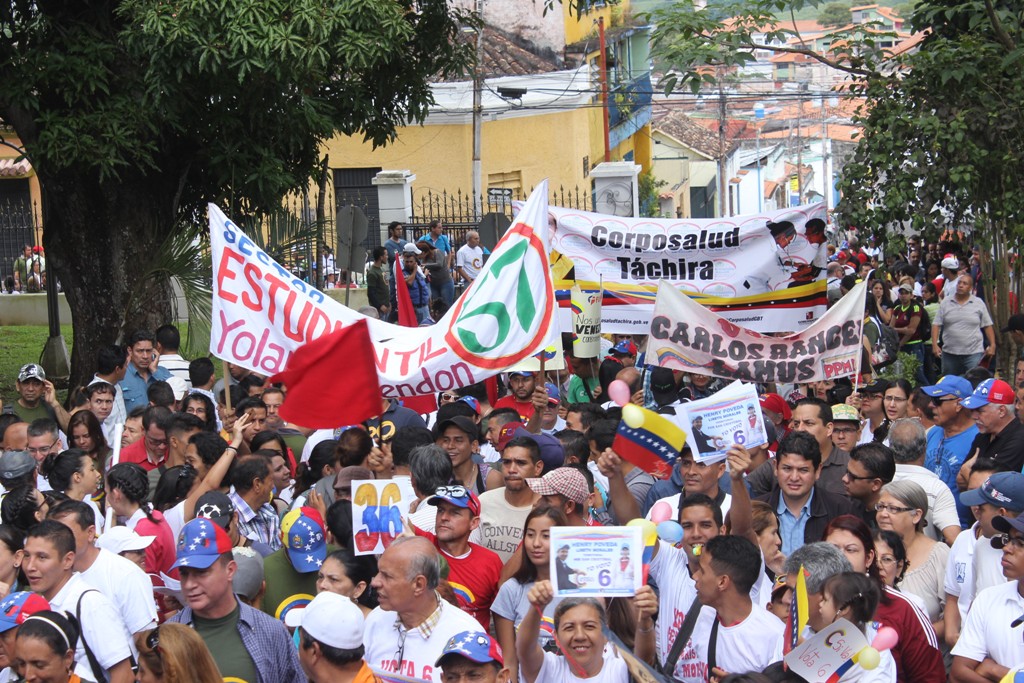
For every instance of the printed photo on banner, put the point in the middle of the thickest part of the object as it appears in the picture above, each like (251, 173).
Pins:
(596, 561)
(685, 335)
(377, 511)
(827, 652)
(730, 416)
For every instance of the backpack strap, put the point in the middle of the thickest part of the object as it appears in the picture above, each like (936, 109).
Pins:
(685, 631)
(97, 669)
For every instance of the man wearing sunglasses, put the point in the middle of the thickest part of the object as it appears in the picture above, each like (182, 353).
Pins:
(992, 639)
(950, 444)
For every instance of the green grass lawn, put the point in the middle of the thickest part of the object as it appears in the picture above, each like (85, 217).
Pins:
(24, 344)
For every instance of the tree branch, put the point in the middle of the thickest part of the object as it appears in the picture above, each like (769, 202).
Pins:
(813, 55)
(1001, 35)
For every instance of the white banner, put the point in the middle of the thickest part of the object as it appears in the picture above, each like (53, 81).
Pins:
(765, 271)
(262, 313)
(686, 336)
(586, 323)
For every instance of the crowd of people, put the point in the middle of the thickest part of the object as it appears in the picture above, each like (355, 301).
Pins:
(221, 544)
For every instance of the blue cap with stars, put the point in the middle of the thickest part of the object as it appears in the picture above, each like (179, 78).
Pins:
(302, 531)
(200, 543)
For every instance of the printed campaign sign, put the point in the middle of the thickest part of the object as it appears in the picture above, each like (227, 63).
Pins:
(598, 561)
(377, 511)
(769, 280)
(825, 652)
(262, 313)
(586, 323)
(730, 416)
(687, 336)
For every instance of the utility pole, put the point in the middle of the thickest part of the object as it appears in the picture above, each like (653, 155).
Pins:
(826, 177)
(478, 112)
(723, 182)
(799, 153)
(603, 65)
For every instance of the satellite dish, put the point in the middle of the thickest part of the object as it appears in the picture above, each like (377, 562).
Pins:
(615, 199)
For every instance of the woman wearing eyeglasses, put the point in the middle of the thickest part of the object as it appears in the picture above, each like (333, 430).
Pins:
(173, 653)
(902, 508)
(45, 649)
(917, 653)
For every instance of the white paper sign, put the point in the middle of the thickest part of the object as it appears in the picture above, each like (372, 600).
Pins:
(825, 652)
(377, 511)
(597, 561)
(730, 416)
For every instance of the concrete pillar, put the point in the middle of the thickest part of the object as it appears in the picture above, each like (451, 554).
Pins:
(616, 188)
(394, 197)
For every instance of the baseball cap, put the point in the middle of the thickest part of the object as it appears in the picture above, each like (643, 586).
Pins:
(1015, 324)
(17, 607)
(990, 391)
(31, 371)
(216, 507)
(906, 288)
(302, 531)
(463, 423)
(562, 481)
(16, 464)
(554, 396)
(178, 386)
(520, 373)
(472, 402)
(119, 539)
(508, 432)
(1004, 524)
(949, 385)
(625, 346)
(879, 386)
(777, 405)
(663, 386)
(842, 412)
(410, 248)
(473, 645)
(330, 619)
(200, 543)
(248, 577)
(951, 262)
(1002, 489)
(457, 495)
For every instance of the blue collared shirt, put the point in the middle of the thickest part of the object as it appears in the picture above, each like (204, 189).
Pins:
(133, 387)
(266, 640)
(791, 528)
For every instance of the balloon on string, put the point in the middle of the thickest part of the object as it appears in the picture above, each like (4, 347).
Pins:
(661, 512)
(868, 658)
(633, 415)
(648, 530)
(670, 531)
(619, 392)
(885, 639)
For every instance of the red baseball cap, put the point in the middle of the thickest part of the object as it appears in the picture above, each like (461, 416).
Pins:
(777, 405)
(990, 391)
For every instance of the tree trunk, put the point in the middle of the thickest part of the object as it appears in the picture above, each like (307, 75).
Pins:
(101, 237)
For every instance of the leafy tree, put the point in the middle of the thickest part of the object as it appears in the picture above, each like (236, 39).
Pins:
(135, 113)
(835, 14)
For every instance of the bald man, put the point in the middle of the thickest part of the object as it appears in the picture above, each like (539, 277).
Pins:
(469, 259)
(406, 583)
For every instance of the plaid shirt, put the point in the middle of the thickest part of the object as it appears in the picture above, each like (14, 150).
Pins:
(261, 525)
(267, 642)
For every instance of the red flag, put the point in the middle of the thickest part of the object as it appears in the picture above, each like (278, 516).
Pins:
(314, 398)
(406, 312)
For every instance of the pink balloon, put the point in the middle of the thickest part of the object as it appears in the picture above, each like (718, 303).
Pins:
(885, 639)
(661, 512)
(619, 392)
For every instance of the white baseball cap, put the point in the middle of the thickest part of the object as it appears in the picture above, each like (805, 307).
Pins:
(178, 386)
(950, 262)
(120, 538)
(331, 619)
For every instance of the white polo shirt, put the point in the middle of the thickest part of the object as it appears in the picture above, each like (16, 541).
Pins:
(941, 506)
(987, 632)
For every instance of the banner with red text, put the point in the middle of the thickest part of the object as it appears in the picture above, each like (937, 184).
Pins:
(686, 336)
(262, 312)
(761, 277)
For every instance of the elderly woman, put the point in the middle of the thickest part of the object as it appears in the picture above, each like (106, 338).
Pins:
(902, 508)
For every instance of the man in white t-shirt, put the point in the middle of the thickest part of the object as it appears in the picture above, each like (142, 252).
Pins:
(49, 566)
(909, 445)
(698, 477)
(118, 578)
(408, 632)
(991, 640)
(503, 511)
(1002, 494)
(469, 259)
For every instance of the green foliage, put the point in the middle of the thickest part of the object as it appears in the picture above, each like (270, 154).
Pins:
(835, 14)
(648, 193)
(905, 367)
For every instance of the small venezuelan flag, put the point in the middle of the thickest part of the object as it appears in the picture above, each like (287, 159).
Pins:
(653, 446)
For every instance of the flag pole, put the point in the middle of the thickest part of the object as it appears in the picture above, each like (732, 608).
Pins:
(227, 384)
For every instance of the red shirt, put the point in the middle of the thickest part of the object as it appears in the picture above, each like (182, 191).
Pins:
(137, 454)
(160, 554)
(525, 410)
(473, 577)
(917, 654)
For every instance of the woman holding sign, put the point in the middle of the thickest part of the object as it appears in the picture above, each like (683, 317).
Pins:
(580, 625)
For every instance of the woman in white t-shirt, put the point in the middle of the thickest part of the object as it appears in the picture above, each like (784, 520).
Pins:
(510, 605)
(580, 626)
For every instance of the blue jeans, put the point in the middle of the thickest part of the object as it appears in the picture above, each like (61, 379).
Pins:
(445, 291)
(953, 364)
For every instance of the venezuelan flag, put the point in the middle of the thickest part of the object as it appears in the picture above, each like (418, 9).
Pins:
(653, 446)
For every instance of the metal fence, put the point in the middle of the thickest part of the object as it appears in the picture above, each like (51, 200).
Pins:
(18, 229)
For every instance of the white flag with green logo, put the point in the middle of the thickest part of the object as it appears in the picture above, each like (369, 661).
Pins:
(262, 312)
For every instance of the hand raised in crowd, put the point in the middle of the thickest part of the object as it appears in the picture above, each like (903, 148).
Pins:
(541, 594)
(540, 395)
(49, 392)
(854, 400)
(238, 429)
(380, 462)
(316, 501)
(739, 460)
(609, 463)
(646, 603)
